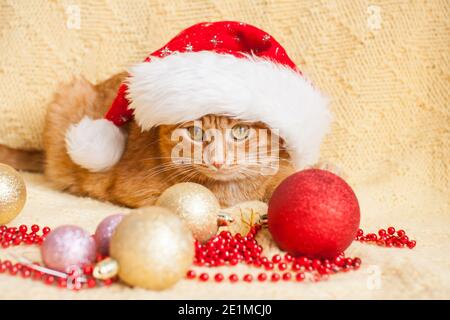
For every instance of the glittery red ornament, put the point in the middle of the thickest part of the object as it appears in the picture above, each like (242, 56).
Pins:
(314, 213)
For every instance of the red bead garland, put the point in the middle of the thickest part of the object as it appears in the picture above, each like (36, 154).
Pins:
(222, 249)
(387, 238)
(13, 236)
(226, 249)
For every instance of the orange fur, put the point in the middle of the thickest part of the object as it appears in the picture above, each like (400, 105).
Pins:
(28, 160)
(145, 169)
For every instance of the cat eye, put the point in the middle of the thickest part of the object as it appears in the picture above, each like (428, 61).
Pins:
(195, 133)
(240, 132)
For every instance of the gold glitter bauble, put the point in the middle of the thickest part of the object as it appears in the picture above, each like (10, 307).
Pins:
(196, 205)
(13, 193)
(246, 215)
(153, 247)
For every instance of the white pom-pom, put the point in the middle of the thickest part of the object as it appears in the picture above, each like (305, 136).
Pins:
(96, 145)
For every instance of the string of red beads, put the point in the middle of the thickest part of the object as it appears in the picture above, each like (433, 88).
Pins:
(387, 238)
(14, 236)
(222, 249)
(226, 249)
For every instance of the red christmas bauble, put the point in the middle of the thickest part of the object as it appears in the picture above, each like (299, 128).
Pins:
(314, 213)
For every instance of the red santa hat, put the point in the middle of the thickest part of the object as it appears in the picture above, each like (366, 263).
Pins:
(227, 68)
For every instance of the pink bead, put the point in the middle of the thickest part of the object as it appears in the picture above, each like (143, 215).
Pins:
(68, 247)
(104, 232)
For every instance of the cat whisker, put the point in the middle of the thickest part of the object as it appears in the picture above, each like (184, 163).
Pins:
(166, 158)
(191, 176)
(162, 168)
(184, 171)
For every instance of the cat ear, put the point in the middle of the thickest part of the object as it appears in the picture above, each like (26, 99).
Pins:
(96, 145)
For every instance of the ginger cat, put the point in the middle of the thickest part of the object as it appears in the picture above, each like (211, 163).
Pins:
(147, 168)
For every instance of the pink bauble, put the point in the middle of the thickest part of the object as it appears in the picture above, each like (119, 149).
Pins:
(68, 247)
(314, 213)
(104, 232)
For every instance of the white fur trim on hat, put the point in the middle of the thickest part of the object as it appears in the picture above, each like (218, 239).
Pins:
(186, 86)
(96, 145)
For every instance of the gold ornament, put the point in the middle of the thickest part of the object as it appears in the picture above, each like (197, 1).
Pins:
(196, 205)
(153, 247)
(246, 215)
(13, 193)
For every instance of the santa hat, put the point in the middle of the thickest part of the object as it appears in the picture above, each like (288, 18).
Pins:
(227, 68)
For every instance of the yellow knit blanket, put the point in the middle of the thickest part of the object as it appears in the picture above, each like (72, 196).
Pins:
(385, 65)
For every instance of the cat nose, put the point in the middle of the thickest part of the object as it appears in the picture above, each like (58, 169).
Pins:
(217, 165)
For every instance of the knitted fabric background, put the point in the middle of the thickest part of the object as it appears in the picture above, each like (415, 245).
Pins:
(384, 64)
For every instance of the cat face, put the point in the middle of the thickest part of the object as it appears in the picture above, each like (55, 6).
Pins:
(221, 148)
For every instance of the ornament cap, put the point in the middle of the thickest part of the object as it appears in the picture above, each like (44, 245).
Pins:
(106, 269)
(224, 219)
(263, 219)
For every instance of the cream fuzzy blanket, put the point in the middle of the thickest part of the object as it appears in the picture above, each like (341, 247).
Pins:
(384, 64)
(384, 274)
